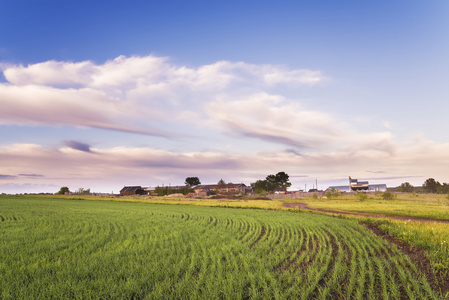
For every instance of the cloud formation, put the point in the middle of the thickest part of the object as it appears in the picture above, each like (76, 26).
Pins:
(148, 94)
(274, 119)
(227, 103)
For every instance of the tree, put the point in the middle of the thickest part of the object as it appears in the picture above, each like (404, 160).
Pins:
(191, 181)
(63, 190)
(83, 191)
(406, 188)
(443, 189)
(431, 185)
(282, 180)
(271, 182)
(278, 181)
(260, 187)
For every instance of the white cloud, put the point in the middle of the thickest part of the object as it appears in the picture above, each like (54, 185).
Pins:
(293, 77)
(42, 105)
(147, 94)
(372, 144)
(272, 118)
(51, 73)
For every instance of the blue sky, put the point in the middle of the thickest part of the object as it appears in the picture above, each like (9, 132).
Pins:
(103, 94)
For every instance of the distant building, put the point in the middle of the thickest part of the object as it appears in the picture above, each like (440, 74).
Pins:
(356, 185)
(224, 188)
(132, 190)
(377, 188)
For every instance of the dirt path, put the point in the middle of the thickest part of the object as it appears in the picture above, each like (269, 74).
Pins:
(305, 207)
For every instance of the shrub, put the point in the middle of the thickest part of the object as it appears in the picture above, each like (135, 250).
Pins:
(362, 196)
(328, 195)
(315, 196)
(388, 195)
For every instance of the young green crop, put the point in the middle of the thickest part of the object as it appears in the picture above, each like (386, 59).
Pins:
(58, 248)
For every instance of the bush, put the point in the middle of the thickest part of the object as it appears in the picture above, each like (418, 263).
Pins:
(362, 196)
(328, 195)
(164, 191)
(315, 196)
(388, 195)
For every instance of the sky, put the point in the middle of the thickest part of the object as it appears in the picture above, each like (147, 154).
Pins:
(105, 94)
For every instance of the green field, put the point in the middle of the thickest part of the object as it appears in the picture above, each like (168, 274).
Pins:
(425, 206)
(53, 248)
(431, 237)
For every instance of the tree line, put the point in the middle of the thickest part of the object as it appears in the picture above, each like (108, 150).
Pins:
(278, 182)
(81, 191)
(429, 186)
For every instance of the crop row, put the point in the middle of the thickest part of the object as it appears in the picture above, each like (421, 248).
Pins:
(87, 249)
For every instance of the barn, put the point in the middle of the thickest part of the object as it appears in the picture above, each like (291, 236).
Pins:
(132, 190)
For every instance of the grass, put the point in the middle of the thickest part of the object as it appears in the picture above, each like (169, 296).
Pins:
(435, 207)
(432, 237)
(70, 248)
